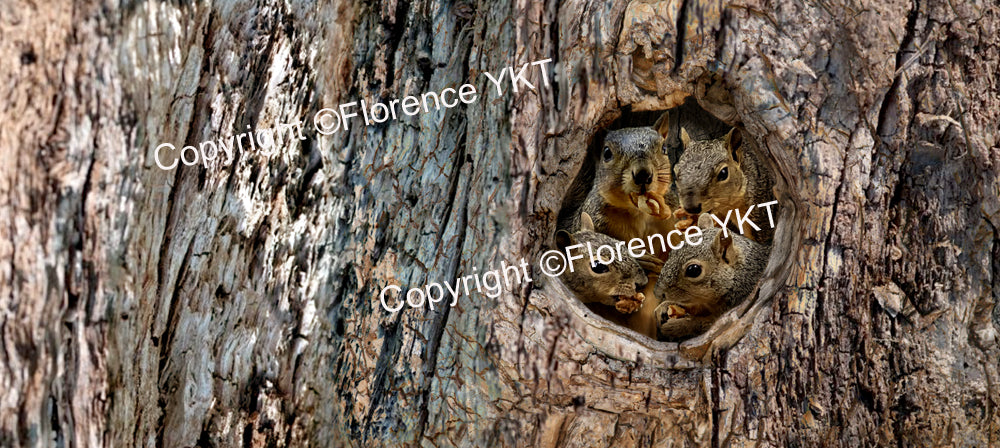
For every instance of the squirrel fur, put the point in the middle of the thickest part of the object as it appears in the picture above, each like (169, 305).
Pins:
(723, 174)
(698, 283)
(618, 284)
(630, 193)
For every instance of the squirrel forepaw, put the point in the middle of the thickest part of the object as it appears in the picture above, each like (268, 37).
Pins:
(677, 322)
(650, 263)
(685, 219)
(653, 203)
(675, 311)
(666, 312)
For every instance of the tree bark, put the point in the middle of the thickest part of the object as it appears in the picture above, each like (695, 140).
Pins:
(237, 304)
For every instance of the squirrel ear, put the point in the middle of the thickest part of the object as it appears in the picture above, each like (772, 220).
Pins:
(734, 143)
(723, 246)
(585, 222)
(564, 239)
(705, 221)
(662, 125)
(685, 138)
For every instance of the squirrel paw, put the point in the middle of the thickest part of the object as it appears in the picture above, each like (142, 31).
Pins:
(652, 203)
(677, 322)
(666, 312)
(685, 219)
(629, 305)
(678, 329)
(650, 263)
(675, 311)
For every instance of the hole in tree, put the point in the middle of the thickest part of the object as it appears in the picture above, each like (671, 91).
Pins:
(683, 179)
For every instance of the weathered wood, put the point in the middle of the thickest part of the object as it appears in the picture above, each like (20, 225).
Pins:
(237, 304)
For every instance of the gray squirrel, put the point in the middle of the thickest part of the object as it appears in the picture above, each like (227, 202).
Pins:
(618, 284)
(722, 175)
(698, 283)
(629, 193)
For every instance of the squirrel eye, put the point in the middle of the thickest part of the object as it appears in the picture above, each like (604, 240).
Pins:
(692, 271)
(607, 154)
(724, 174)
(599, 268)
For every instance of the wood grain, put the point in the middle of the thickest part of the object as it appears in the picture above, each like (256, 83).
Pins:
(237, 304)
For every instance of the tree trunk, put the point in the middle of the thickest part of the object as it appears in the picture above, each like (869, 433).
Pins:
(237, 303)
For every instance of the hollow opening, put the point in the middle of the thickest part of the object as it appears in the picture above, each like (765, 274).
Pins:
(706, 287)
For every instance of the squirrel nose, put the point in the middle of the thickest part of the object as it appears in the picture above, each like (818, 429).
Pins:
(694, 210)
(642, 177)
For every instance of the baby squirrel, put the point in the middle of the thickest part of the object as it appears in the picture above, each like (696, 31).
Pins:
(629, 196)
(700, 283)
(618, 284)
(718, 175)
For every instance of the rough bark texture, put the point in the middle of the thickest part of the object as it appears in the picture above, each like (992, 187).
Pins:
(237, 304)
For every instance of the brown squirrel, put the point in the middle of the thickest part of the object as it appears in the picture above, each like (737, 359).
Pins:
(699, 283)
(630, 196)
(723, 174)
(618, 284)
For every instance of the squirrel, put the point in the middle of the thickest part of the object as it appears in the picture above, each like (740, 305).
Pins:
(700, 283)
(723, 174)
(618, 284)
(630, 197)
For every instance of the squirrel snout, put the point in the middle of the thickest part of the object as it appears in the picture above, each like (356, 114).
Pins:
(642, 177)
(691, 203)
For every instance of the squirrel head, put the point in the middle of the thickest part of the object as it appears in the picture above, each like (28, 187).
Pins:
(710, 177)
(605, 283)
(632, 161)
(701, 274)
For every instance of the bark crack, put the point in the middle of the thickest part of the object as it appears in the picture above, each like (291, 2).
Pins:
(908, 37)
(166, 340)
(827, 245)
(681, 32)
(438, 326)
